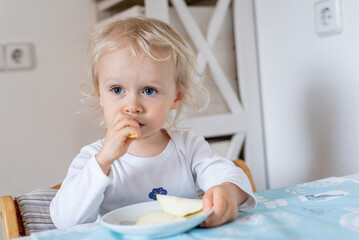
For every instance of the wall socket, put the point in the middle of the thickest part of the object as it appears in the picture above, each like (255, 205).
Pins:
(19, 56)
(328, 17)
(16, 56)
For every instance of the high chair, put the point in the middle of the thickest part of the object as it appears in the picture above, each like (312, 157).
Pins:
(12, 222)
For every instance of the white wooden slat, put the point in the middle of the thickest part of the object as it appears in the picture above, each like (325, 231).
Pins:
(217, 20)
(157, 9)
(217, 125)
(220, 147)
(235, 146)
(220, 78)
(248, 68)
(213, 29)
(214, 26)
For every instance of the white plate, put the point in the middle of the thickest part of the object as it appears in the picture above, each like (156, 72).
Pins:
(123, 221)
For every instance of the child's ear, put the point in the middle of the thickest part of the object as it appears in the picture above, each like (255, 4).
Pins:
(177, 101)
(99, 96)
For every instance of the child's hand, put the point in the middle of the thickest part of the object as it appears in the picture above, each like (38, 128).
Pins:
(225, 198)
(116, 141)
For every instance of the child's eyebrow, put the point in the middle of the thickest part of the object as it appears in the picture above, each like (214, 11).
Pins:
(156, 82)
(116, 80)
(112, 80)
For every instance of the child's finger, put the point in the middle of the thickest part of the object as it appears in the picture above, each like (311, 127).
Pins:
(217, 217)
(126, 123)
(207, 200)
(120, 117)
(222, 209)
(130, 133)
(122, 121)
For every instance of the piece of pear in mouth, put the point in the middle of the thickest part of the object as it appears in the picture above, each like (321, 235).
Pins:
(158, 217)
(131, 136)
(179, 206)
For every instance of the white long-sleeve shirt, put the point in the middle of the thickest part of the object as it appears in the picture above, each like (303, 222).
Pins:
(87, 192)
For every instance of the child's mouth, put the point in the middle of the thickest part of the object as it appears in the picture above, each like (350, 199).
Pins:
(141, 125)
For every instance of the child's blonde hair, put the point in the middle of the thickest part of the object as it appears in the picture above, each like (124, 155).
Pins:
(151, 36)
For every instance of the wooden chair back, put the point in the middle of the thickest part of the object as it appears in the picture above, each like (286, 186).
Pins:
(240, 163)
(12, 224)
(11, 221)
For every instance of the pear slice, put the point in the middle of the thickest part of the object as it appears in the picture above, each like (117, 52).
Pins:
(179, 206)
(158, 217)
(131, 136)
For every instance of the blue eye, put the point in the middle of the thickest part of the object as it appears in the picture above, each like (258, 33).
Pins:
(150, 91)
(117, 90)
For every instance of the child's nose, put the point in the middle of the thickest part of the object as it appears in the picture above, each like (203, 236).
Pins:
(132, 105)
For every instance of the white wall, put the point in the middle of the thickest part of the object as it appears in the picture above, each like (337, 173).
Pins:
(40, 131)
(310, 87)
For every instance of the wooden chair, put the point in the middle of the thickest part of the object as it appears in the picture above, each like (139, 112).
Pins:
(11, 221)
(240, 163)
(12, 224)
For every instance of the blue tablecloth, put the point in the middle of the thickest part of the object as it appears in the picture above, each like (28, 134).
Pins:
(323, 209)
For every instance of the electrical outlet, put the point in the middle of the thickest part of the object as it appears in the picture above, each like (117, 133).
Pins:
(19, 56)
(328, 17)
(2, 57)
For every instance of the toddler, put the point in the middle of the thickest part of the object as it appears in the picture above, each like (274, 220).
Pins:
(143, 74)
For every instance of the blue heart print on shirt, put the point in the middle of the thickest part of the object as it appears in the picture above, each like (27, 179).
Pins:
(156, 191)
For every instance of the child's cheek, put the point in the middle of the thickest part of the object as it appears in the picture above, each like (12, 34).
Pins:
(161, 119)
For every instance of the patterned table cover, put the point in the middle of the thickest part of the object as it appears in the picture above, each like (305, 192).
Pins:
(323, 209)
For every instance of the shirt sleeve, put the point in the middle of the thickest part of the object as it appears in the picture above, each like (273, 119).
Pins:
(81, 194)
(211, 169)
